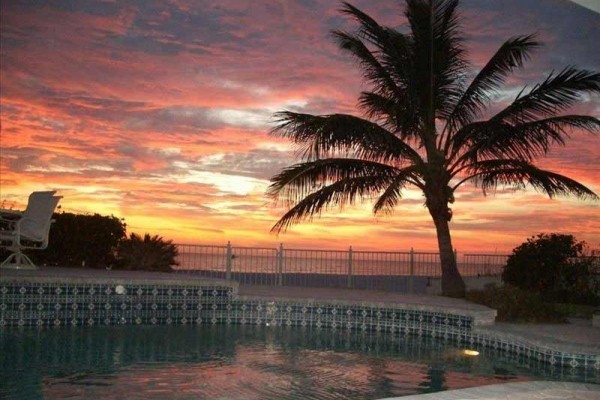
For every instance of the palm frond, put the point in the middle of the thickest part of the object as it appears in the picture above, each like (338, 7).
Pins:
(439, 56)
(393, 193)
(461, 144)
(510, 55)
(372, 69)
(557, 93)
(387, 65)
(382, 107)
(534, 139)
(340, 193)
(397, 116)
(490, 174)
(326, 135)
(381, 65)
(524, 142)
(450, 55)
(292, 184)
(369, 29)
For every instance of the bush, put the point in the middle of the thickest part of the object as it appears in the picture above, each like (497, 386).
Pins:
(76, 240)
(150, 253)
(97, 241)
(576, 310)
(516, 305)
(554, 266)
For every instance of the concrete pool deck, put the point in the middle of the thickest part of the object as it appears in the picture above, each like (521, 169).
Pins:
(538, 390)
(577, 336)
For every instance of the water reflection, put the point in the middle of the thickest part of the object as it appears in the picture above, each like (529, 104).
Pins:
(242, 362)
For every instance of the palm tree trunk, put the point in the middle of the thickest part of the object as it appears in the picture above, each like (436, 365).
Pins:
(452, 283)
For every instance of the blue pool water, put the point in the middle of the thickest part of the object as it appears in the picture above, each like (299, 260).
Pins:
(245, 362)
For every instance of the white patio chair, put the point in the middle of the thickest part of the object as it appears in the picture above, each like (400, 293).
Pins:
(27, 230)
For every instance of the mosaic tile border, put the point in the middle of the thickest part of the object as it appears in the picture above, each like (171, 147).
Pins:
(46, 304)
(470, 317)
(29, 304)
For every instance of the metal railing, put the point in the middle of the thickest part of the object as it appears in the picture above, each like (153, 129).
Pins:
(483, 264)
(407, 271)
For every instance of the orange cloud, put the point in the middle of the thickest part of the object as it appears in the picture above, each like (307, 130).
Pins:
(162, 116)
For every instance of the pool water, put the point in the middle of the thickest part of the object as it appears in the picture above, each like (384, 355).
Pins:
(243, 362)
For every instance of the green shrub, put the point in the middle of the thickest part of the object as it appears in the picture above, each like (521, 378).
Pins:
(554, 266)
(150, 253)
(516, 305)
(576, 310)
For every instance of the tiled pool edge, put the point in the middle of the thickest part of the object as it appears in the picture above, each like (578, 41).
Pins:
(535, 351)
(478, 318)
(475, 334)
(45, 301)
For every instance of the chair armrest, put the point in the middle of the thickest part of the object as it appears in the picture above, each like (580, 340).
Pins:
(10, 211)
(9, 222)
(10, 214)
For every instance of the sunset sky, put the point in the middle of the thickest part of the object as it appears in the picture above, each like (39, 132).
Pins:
(159, 112)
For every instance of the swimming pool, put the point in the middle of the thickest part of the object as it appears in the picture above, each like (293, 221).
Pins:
(70, 333)
(245, 362)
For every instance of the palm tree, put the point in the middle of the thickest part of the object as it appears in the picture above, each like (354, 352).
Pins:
(425, 126)
(148, 253)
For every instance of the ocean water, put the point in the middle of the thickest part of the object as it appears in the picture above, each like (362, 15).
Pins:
(334, 264)
(390, 271)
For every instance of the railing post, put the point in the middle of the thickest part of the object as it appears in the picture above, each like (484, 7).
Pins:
(412, 271)
(350, 267)
(280, 265)
(228, 262)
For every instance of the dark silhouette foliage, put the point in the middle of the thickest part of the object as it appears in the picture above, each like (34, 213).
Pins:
(97, 241)
(81, 240)
(517, 305)
(148, 253)
(556, 267)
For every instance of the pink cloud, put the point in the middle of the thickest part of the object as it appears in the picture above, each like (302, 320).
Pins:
(135, 110)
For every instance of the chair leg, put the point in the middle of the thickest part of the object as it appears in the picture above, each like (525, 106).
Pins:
(17, 260)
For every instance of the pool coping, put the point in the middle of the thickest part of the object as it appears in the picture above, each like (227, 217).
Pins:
(515, 391)
(542, 343)
(100, 276)
(481, 317)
